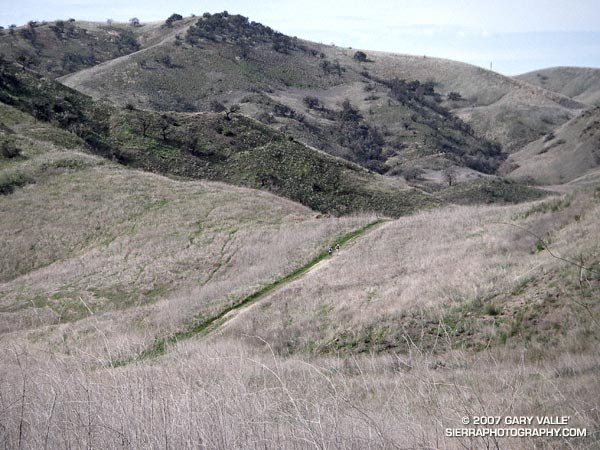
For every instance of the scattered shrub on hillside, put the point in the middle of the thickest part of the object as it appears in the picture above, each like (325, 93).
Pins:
(173, 18)
(412, 173)
(127, 43)
(311, 102)
(239, 30)
(450, 175)
(332, 67)
(72, 62)
(166, 125)
(10, 181)
(267, 118)
(349, 113)
(286, 111)
(360, 56)
(9, 150)
(144, 124)
(58, 28)
(165, 60)
(232, 110)
(134, 22)
(454, 96)
(216, 106)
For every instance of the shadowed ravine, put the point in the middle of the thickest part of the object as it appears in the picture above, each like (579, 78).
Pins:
(160, 345)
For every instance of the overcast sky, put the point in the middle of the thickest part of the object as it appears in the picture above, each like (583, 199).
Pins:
(516, 36)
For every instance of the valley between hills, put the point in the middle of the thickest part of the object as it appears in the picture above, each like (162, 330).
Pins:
(169, 193)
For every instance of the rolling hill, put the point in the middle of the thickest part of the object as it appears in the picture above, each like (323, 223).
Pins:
(569, 152)
(214, 146)
(579, 83)
(300, 87)
(169, 269)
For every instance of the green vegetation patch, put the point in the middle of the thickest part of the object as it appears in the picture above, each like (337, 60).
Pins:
(491, 191)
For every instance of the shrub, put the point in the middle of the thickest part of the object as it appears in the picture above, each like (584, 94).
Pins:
(9, 150)
(165, 60)
(173, 18)
(349, 113)
(9, 182)
(360, 56)
(311, 102)
(454, 96)
(412, 173)
(216, 106)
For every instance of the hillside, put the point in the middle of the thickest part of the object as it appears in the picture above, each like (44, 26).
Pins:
(300, 86)
(217, 236)
(103, 238)
(404, 324)
(569, 152)
(293, 86)
(214, 146)
(579, 83)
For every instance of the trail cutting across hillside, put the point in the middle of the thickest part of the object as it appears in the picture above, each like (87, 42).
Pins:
(208, 325)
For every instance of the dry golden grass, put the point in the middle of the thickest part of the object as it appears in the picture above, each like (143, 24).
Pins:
(98, 260)
(563, 155)
(227, 396)
(579, 83)
(235, 391)
(425, 265)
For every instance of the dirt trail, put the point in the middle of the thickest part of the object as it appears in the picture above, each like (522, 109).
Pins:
(209, 326)
(315, 265)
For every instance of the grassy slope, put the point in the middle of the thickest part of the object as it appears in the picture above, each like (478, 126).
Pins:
(150, 256)
(563, 155)
(213, 70)
(162, 255)
(239, 151)
(479, 274)
(501, 108)
(579, 83)
(145, 253)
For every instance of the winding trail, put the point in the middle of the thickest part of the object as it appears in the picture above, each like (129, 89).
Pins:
(160, 345)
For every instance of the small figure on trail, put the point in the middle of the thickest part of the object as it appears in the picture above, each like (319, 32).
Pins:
(330, 251)
(337, 247)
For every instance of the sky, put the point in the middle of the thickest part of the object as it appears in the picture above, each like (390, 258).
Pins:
(511, 36)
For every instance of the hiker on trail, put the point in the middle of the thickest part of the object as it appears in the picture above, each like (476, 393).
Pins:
(337, 248)
(330, 251)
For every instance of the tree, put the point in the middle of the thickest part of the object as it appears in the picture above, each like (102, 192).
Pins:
(165, 60)
(412, 173)
(145, 124)
(9, 150)
(134, 22)
(165, 126)
(450, 175)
